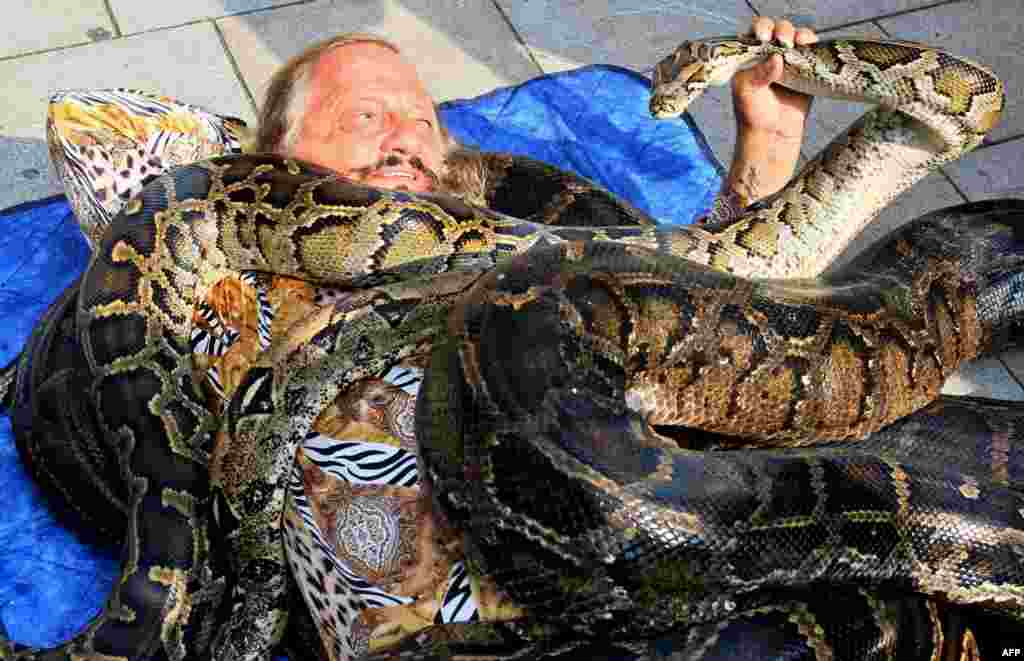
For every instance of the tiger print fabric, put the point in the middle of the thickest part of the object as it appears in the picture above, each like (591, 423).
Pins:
(355, 489)
(105, 144)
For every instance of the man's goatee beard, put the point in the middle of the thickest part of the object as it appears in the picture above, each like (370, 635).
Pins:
(464, 174)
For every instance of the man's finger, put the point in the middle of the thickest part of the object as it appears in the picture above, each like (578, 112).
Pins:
(784, 32)
(762, 28)
(805, 36)
(768, 71)
(777, 66)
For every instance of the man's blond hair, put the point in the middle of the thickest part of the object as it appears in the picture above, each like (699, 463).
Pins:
(287, 96)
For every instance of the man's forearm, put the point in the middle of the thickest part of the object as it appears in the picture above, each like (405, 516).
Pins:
(761, 165)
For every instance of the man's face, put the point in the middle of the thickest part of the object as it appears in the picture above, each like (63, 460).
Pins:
(370, 119)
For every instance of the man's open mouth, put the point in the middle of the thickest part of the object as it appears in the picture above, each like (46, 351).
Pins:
(397, 174)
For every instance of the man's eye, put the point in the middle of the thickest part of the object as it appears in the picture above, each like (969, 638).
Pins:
(367, 115)
(426, 122)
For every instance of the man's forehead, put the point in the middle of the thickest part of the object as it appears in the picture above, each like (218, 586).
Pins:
(368, 68)
(367, 60)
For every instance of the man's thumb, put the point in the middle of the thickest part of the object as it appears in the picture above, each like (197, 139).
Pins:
(768, 71)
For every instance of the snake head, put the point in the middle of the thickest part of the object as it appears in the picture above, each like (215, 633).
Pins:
(686, 73)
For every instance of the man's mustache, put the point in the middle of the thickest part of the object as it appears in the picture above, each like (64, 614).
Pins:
(394, 160)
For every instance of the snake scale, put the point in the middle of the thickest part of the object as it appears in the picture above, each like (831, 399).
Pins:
(588, 362)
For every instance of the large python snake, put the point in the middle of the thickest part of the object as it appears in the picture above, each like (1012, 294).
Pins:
(576, 360)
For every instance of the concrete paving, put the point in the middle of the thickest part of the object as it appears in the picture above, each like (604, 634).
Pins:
(220, 54)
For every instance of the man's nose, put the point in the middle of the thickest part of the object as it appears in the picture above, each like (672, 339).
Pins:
(404, 136)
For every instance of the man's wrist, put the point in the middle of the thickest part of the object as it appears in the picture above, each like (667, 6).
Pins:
(762, 164)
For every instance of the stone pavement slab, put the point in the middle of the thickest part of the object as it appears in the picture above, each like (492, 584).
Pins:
(629, 33)
(834, 13)
(25, 172)
(441, 37)
(134, 16)
(985, 377)
(35, 26)
(187, 63)
(993, 171)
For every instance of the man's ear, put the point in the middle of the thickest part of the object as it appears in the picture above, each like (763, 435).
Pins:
(448, 143)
